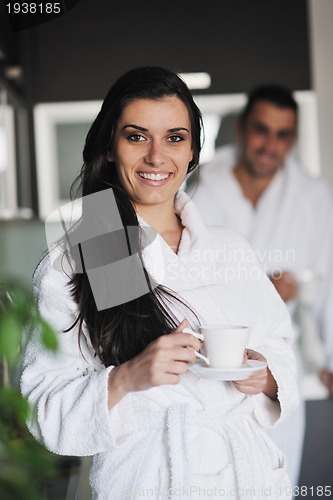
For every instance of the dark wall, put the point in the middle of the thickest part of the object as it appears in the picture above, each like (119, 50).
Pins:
(78, 55)
(317, 465)
(8, 40)
(239, 42)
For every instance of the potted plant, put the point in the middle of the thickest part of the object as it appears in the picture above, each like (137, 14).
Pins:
(25, 464)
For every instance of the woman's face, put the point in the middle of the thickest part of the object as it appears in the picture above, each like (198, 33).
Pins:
(152, 150)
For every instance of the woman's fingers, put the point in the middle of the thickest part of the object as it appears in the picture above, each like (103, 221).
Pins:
(181, 326)
(177, 367)
(182, 340)
(175, 347)
(178, 339)
(251, 354)
(257, 381)
(163, 360)
(253, 384)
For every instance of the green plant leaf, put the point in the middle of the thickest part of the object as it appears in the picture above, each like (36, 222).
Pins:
(48, 336)
(24, 463)
(10, 336)
(13, 404)
(18, 297)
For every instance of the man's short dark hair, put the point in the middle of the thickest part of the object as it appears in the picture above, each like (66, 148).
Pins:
(276, 94)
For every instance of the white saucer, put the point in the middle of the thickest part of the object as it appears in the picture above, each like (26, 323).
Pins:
(251, 366)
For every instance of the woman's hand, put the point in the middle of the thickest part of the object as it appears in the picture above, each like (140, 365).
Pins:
(162, 362)
(260, 381)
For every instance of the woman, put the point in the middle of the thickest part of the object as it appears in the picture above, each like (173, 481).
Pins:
(124, 393)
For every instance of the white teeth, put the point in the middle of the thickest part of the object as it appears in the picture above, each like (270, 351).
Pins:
(154, 177)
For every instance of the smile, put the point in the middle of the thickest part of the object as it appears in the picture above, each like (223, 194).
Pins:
(154, 177)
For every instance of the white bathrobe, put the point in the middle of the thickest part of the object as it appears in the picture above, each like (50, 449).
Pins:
(291, 228)
(199, 437)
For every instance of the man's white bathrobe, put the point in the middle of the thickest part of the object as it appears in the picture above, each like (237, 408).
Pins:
(174, 441)
(291, 229)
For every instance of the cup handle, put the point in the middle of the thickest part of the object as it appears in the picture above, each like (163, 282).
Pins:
(200, 337)
(201, 356)
(195, 334)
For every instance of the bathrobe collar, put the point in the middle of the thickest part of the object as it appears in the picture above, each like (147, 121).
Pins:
(174, 270)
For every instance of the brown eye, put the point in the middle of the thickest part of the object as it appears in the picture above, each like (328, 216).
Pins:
(135, 137)
(176, 138)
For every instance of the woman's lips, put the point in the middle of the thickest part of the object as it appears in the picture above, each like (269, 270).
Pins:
(154, 178)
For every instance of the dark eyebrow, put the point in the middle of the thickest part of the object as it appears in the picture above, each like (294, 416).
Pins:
(142, 129)
(137, 127)
(178, 129)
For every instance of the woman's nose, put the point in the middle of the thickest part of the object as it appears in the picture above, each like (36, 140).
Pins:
(155, 155)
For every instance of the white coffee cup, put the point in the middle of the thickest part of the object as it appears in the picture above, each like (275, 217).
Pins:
(224, 344)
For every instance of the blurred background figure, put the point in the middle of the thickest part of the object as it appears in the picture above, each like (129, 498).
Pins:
(257, 187)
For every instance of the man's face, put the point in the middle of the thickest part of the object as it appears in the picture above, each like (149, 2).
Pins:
(267, 136)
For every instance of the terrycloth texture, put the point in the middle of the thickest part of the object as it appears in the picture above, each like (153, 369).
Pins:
(198, 434)
(291, 228)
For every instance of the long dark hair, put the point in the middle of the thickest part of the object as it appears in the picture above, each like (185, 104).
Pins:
(121, 332)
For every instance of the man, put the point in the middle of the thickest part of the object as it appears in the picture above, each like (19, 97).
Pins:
(259, 190)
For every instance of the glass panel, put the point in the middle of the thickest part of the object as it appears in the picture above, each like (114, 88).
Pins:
(8, 201)
(15, 179)
(70, 139)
